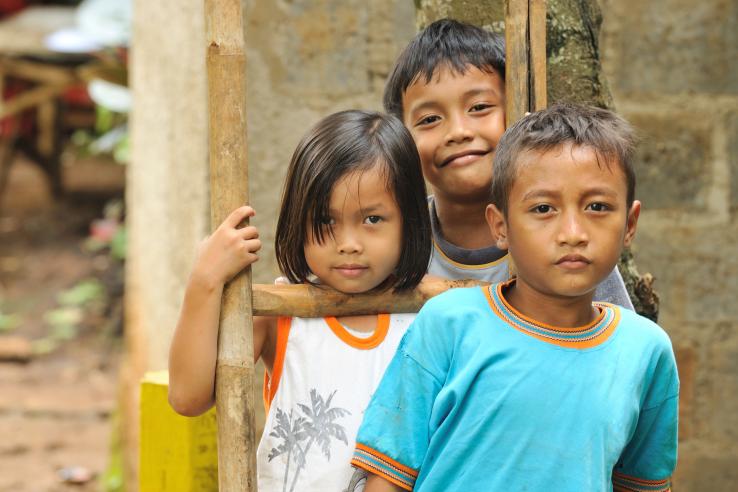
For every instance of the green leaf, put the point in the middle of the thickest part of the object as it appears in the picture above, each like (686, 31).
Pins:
(8, 322)
(83, 293)
(118, 244)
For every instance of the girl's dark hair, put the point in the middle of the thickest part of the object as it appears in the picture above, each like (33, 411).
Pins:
(609, 135)
(340, 144)
(445, 42)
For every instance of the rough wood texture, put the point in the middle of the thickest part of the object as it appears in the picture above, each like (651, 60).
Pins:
(573, 73)
(313, 302)
(234, 376)
(537, 53)
(517, 101)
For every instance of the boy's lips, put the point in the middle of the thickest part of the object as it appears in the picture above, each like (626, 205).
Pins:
(573, 261)
(461, 158)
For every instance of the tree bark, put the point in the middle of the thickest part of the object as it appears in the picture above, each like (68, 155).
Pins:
(573, 73)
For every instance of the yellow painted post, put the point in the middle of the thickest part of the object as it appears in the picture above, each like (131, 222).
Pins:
(178, 454)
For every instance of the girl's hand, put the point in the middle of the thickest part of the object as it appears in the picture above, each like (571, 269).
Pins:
(228, 250)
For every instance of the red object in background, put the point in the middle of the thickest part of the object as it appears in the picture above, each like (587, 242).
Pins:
(8, 7)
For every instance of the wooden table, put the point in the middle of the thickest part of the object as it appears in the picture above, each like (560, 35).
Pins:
(24, 56)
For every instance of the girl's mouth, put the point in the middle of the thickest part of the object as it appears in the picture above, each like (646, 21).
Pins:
(350, 271)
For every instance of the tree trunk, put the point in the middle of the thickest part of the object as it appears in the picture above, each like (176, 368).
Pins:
(574, 74)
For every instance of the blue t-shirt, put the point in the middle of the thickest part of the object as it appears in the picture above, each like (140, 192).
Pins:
(480, 398)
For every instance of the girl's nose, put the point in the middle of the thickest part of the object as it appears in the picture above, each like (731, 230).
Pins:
(348, 243)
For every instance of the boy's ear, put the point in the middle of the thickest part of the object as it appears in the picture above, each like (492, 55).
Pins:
(630, 226)
(497, 225)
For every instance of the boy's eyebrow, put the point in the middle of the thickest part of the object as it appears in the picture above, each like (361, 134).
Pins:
(543, 193)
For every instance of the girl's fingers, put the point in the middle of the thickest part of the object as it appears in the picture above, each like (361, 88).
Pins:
(237, 216)
(249, 232)
(252, 245)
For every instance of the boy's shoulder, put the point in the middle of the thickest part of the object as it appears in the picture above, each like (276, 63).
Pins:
(641, 330)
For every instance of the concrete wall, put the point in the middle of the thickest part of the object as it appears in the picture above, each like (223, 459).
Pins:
(672, 69)
(305, 60)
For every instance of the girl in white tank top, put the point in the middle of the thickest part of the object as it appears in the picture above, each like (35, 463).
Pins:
(354, 218)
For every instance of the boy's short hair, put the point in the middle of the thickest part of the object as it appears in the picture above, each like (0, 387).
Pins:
(609, 135)
(445, 42)
(340, 144)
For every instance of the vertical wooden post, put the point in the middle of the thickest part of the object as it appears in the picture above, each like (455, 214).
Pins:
(525, 64)
(226, 67)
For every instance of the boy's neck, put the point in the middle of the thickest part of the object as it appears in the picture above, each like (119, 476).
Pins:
(463, 224)
(568, 312)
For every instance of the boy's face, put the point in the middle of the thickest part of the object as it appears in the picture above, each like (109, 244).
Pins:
(567, 220)
(456, 121)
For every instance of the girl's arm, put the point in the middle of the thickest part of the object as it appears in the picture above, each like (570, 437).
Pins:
(194, 349)
(375, 483)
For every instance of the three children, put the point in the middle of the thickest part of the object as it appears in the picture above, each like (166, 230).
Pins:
(526, 384)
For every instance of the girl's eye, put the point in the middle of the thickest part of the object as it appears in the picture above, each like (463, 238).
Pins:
(598, 207)
(373, 219)
(327, 221)
(542, 209)
(427, 120)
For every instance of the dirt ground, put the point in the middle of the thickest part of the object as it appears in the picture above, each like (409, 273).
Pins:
(56, 409)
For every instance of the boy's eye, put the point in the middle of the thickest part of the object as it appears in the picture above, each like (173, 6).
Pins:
(542, 209)
(598, 207)
(373, 219)
(480, 107)
(427, 120)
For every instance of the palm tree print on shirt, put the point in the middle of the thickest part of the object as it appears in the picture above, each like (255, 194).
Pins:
(316, 426)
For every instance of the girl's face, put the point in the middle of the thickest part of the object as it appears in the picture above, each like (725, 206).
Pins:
(366, 240)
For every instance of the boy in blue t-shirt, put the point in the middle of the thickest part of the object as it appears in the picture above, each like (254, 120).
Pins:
(448, 88)
(528, 384)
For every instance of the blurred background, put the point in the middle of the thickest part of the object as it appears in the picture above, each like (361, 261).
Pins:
(86, 217)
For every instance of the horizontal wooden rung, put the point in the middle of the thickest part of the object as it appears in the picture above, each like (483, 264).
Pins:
(310, 301)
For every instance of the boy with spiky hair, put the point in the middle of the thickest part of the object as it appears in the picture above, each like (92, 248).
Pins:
(528, 384)
(448, 87)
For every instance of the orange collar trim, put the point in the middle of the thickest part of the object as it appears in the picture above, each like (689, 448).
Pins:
(370, 342)
(583, 337)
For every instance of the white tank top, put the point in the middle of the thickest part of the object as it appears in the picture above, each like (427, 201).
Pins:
(323, 377)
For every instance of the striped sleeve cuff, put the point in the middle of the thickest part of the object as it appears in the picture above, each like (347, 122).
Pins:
(625, 483)
(377, 463)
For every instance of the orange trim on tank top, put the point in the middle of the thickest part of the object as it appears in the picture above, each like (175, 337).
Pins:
(380, 332)
(271, 384)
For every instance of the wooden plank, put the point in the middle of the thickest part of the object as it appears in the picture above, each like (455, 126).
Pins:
(314, 302)
(37, 71)
(234, 374)
(537, 63)
(30, 99)
(516, 62)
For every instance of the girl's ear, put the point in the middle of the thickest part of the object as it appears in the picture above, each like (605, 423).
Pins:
(497, 225)
(630, 225)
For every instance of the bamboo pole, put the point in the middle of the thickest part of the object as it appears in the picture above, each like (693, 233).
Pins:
(234, 374)
(525, 63)
(537, 54)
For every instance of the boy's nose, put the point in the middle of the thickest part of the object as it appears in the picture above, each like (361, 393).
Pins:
(572, 232)
(458, 130)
